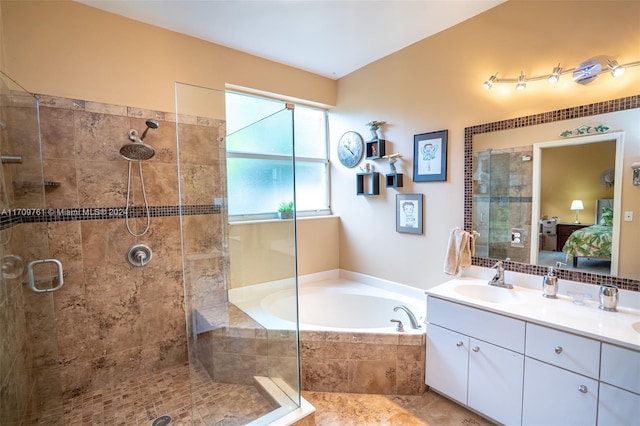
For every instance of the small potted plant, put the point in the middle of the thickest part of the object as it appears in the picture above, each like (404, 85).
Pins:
(285, 211)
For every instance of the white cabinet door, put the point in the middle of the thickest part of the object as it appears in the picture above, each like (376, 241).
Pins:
(620, 367)
(617, 407)
(495, 382)
(446, 362)
(557, 397)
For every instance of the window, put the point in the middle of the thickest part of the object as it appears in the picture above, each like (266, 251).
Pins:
(259, 149)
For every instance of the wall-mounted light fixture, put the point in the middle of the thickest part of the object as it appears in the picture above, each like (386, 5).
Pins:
(636, 173)
(584, 73)
(577, 205)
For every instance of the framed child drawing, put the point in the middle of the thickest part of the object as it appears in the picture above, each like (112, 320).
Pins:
(430, 156)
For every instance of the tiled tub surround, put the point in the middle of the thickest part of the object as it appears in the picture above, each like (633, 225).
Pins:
(114, 321)
(355, 348)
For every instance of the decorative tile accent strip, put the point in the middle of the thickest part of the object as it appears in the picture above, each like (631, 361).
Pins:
(621, 104)
(18, 216)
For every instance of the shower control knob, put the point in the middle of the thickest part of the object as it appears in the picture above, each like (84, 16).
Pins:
(139, 255)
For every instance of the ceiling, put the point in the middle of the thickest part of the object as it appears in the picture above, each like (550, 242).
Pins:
(331, 38)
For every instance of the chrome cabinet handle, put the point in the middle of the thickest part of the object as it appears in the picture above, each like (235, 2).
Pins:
(459, 344)
(558, 349)
(583, 389)
(476, 349)
(33, 284)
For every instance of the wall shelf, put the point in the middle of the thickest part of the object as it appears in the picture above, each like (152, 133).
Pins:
(394, 180)
(368, 183)
(375, 149)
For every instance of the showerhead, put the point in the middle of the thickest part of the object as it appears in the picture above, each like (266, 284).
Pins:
(137, 151)
(151, 124)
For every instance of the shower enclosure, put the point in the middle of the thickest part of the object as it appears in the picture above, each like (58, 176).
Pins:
(105, 341)
(29, 372)
(225, 344)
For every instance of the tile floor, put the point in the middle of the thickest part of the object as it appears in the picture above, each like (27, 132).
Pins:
(138, 402)
(428, 409)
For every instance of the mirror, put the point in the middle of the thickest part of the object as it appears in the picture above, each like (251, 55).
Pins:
(521, 177)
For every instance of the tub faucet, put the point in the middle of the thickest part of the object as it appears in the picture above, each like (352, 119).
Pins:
(412, 318)
(498, 279)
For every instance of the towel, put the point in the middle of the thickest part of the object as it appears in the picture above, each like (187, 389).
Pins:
(460, 249)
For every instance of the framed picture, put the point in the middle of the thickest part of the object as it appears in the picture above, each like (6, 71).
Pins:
(409, 213)
(430, 157)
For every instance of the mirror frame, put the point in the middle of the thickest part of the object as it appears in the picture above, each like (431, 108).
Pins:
(621, 104)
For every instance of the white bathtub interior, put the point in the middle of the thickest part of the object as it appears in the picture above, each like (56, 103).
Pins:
(335, 300)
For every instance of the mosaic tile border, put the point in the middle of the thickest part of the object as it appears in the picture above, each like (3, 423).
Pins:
(15, 217)
(621, 104)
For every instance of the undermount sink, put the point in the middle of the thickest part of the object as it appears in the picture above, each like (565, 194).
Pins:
(636, 326)
(487, 293)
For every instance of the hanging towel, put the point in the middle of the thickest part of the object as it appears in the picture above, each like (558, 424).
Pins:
(460, 249)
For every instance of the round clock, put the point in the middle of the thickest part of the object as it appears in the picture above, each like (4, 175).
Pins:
(350, 148)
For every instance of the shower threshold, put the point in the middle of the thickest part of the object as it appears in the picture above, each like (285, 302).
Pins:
(278, 392)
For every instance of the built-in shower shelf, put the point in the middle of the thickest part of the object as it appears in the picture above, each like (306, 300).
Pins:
(26, 184)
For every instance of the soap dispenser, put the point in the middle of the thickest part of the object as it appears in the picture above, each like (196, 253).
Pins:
(550, 284)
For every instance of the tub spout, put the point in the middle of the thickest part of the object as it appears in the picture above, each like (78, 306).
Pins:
(412, 318)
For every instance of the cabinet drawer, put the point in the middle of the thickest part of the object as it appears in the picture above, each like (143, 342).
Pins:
(493, 328)
(575, 353)
(620, 367)
(617, 407)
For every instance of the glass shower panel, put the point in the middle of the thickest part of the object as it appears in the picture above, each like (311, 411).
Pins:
(233, 358)
(30, 387)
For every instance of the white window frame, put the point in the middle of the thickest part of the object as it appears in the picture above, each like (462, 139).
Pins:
(299, 213)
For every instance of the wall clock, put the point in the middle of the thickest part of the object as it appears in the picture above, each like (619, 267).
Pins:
(350, 149)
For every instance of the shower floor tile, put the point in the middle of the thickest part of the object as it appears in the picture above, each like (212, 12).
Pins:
(141, 400)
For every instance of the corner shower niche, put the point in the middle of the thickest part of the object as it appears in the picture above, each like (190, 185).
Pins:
(502, 188)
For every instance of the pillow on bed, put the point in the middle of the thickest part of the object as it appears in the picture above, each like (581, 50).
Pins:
(607, 216)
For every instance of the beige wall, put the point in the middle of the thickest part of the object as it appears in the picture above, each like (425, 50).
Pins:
(436, 84)
(67, 49)
(263, 251)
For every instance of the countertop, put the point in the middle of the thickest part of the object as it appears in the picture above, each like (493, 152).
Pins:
(620, 328)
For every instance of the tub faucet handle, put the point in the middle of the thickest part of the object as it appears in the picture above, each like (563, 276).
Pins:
(400, 327)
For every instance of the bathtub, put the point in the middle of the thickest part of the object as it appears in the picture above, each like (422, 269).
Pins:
(333, 301)
(347, 340)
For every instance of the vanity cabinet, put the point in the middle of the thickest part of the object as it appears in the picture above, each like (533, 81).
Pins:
(472, 358)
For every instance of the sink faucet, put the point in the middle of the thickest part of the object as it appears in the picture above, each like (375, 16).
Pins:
(412, 318)
(498, 279)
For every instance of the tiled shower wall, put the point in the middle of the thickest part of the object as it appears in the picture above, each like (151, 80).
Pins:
(114, 321)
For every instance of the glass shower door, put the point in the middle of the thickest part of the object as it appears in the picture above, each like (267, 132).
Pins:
(30, 382)
(233, 357)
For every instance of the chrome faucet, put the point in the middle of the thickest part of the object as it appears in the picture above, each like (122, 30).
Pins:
(412, 318)
(498, 279)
